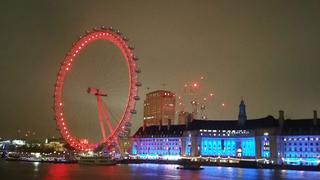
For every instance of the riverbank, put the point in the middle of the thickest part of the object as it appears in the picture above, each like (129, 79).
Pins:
(246, 164)
(52, 171)
(44, 161)
(253, 165)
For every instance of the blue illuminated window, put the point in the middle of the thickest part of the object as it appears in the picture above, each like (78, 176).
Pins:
(227, 147)
(188, 146)
(302, 152)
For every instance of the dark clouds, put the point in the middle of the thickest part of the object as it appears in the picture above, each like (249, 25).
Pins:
(266, 51)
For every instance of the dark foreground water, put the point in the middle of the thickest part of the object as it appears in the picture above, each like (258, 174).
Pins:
(26, 170)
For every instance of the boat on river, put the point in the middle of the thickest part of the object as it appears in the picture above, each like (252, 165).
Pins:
(188, 164)
(97, 160)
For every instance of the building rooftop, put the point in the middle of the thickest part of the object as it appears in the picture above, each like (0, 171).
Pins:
(300, 127)
(173, 131)
(158, 91)
(266, 122)
(290, 126)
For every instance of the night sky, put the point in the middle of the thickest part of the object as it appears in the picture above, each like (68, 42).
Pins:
(264, 51)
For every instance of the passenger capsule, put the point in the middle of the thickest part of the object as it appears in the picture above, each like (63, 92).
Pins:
(138, 84)
(133, 111)
(135, 58)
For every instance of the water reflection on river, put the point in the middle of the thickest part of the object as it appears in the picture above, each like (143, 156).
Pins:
(25, 170)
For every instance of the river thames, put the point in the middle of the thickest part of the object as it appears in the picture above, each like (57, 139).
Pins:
(28, 170)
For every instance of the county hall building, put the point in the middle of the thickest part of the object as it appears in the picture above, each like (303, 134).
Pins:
(268, 139)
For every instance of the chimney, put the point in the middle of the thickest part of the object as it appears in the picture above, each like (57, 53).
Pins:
(315, 118)
(160, 124)
(189, 119)
(281, 118)
(144, 125)
(169, 124)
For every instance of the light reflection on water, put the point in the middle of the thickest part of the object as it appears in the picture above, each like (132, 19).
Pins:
(35, 166)
(24, 170)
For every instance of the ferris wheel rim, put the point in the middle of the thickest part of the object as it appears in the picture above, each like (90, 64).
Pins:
(113, 36)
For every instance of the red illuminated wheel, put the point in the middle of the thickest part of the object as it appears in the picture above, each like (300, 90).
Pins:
(103, 34)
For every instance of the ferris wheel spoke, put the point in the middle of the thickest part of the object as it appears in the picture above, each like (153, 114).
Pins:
(114, 115)
(103, 132)
(106, 116)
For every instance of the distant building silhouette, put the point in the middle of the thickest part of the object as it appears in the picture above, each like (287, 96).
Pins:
(242, 113)
(182, 117)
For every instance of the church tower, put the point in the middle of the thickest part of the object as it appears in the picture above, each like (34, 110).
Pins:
(242, 113)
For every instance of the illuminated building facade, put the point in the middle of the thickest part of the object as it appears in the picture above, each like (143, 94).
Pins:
(158, 142)
(229, 138)
(124, 140)
(265, 140)
(11, 144)
(300, 150)
(55, 144)
(159, 108)
(300, 142)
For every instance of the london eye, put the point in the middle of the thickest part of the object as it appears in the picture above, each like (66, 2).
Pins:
(111, 126)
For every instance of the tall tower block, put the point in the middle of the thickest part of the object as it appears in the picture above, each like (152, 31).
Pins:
(159, 108)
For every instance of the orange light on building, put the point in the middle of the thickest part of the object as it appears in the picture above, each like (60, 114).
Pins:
(195, 85)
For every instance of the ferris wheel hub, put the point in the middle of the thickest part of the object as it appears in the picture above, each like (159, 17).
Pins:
(96, 92)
